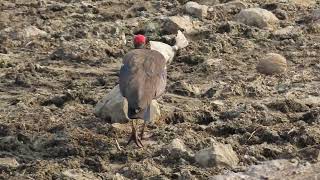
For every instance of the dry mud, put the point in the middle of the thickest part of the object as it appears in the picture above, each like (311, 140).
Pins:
(49, 84)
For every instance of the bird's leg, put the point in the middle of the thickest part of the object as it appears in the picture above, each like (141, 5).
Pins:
(134, 136)
(142, 130)
(146, 118)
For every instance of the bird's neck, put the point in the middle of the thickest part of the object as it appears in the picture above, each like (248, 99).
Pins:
(141, 46)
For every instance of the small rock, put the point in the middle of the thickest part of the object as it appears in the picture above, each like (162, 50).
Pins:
(186, 174)
(312, 116)
(177, 145)
(82, 50)
(273, 170)
(8, 162)
(315, 27)
(181, 41)
(142, 170)
(165, 49)
(169, 51)
(284, 31)
(115, 107)
(5, 17)
(305, 3)
(218, 103)
(177, 150)
(315, 15)
(219, 155)
(197, 10)
(289, 32)
(258, 17)
(78, 174)
(175, 23)
(288, 105)
(312, 101)
(272, 64)
(280, 14)
(212, 62)
(185, 89)
(209, 2)
(118, 176)
(32, 31)
(22, 80)
(232, 5)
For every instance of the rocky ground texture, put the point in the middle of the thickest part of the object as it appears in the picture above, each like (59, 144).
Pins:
(220, 117)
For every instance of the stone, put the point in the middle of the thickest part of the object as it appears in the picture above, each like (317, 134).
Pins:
(315, 27)
(231, 5)
(303, 3)
(209, 2)
(142, 170)
(115, 107)
(118, 176)
(312, 101)
(170, 51)
(284, 31)
(82, 50)
(258, 17)
(196, 10)
(31, 31)
(186, 174)
(166, 50)
(315, 15)
(177, 145)
(175, 23)
(177, 150)
(8, 162)
(219, 155)
(185, 89)
(212, 62)
(286, 105)
(274, 169)
(78, 174)
(181, 41)
(272, 64)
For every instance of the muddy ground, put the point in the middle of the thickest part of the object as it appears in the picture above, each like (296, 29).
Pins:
(50, 82)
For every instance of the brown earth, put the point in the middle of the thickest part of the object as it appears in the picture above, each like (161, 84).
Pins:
(49, 84)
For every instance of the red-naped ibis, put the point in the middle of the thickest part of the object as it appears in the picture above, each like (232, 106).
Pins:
(143, 77)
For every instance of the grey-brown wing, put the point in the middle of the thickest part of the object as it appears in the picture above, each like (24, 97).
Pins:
(156, 71)
(142, 77)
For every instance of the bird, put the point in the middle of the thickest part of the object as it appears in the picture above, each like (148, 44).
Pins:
(142, 78)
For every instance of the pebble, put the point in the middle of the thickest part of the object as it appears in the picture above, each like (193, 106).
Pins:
(219, 155)
(32, 31)
(273, 170)
(315, 27)
(175, 23)
(315, 15)
(177, 145)
(8, 162)
(258, 17)
(115, 107)
(272, 64)
(303, 3)
(196, 10)
(78, 174)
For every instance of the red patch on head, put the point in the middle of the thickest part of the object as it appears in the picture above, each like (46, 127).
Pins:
(139, 39)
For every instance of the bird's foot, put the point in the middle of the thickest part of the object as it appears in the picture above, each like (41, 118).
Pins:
(134, 137)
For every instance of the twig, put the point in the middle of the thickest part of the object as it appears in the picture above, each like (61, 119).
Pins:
(117, 143)
(308, 147)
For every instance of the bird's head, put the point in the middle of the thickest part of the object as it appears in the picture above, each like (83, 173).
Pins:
(139, 41)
